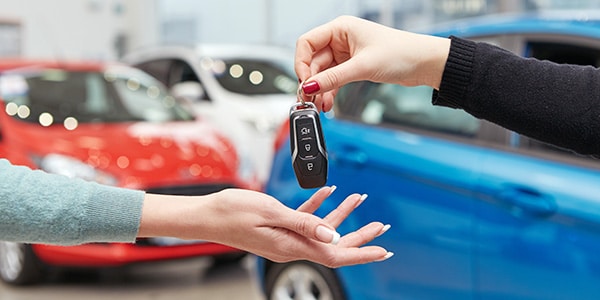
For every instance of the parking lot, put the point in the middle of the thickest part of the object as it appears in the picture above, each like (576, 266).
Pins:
(183, 280)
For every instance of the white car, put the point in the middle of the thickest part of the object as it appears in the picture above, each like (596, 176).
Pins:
(246, 90)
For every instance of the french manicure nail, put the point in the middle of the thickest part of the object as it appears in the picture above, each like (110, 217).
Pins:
(361, 200)
(387, 255)
(332, 189)
(327, 235)
(384, 229)
(310, 87)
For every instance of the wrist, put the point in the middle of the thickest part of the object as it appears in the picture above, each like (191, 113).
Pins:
(437, 49)
(172, 216)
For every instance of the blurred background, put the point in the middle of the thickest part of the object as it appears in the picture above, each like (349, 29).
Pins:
(191, 96)
(106, 30)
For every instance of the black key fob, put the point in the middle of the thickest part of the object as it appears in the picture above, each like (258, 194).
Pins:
(309, 155)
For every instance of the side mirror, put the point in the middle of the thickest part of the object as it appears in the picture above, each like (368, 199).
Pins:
(190, 90)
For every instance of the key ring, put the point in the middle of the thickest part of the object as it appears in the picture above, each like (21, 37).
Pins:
(300, 93)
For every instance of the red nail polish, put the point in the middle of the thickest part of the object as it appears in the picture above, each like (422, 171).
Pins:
(311, 87)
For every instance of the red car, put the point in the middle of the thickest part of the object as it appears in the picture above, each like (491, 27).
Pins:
(114, 125)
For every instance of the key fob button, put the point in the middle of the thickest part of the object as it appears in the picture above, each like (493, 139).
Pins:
(310, 167)
(304, 128)
(308, 148)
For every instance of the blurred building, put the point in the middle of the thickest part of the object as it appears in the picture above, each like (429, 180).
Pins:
(106, 29)
(90, 29)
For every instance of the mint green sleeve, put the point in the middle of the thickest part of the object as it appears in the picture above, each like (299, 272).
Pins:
(37, 207)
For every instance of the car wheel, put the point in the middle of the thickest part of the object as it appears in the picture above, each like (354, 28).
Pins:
(302, 280)
(18, 264)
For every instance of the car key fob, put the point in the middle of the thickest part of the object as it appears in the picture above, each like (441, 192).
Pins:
(309, 155)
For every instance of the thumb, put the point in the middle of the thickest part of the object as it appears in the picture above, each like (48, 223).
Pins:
(333, 78)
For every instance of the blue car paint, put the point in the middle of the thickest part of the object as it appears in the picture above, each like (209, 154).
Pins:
(468, 222)
(582, 24)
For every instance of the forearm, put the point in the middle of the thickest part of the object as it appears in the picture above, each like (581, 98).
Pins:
(558, 104)
(43, 208)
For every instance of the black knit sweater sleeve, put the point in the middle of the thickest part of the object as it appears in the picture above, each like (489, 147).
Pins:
(558, 104)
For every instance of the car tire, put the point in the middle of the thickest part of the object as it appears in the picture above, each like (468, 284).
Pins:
(18, 264)
(302, 280)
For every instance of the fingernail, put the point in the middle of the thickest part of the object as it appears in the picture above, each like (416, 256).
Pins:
(332, 189)
(310, 87)
(387, 255)
(384, 229)
(327, 235)
(361, 200)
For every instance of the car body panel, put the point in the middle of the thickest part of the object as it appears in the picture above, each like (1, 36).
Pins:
(538, 227)
(117, 254)
(570, 23)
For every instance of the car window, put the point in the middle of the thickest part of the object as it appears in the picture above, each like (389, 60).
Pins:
(564, 53)
(390, 104)
(254, 77)
(181, 72)
(145, 98)
(59, 97)
(158, 68)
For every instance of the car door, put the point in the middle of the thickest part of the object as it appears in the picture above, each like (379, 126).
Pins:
(538, 221)
(538, 229)
(417, 164)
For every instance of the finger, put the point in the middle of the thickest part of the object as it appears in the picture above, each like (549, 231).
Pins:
(324, 102)
(332, 256)
(322, 60)
(307, 45)
(315, 201)
(302, 223)
(350, 256)
(335, 77)
(364, 235)
(340, 213)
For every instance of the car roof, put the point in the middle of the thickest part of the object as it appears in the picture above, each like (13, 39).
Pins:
(240, 50)
(569, 22)
(7, 64)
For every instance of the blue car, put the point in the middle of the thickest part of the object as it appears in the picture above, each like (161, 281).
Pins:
(477, 211)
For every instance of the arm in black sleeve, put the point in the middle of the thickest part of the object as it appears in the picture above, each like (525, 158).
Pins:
(554, 103)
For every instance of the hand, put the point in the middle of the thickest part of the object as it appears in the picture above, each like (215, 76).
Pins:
(260, 224)
(351, 49)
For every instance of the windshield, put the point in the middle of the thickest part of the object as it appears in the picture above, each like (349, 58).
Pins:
(254, 77)
(54, 96)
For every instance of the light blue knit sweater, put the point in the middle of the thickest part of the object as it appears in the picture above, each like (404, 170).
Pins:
(37, 207)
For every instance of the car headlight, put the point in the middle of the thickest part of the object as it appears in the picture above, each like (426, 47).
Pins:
(73, 168)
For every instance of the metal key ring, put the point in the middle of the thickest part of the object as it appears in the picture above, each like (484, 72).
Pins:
(300, 93)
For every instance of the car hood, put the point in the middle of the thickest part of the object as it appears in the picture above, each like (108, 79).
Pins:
(140, 155)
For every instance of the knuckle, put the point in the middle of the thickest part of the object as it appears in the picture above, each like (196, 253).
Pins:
(301, 225)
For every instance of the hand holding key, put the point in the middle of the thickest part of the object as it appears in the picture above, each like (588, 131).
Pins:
(350, 49)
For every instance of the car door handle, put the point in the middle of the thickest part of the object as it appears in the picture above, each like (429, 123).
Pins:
(351, 155)
(529, 200)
